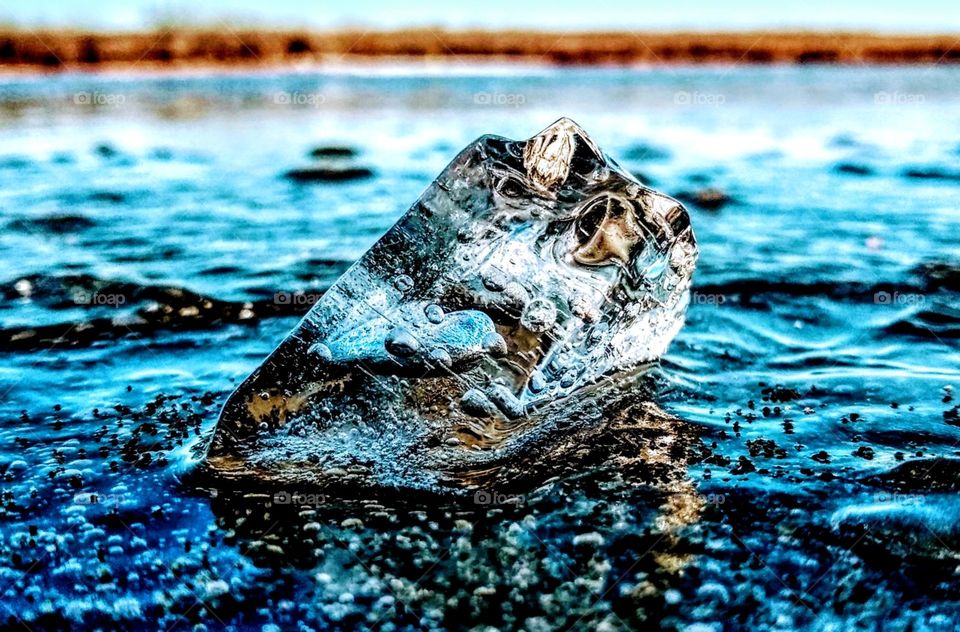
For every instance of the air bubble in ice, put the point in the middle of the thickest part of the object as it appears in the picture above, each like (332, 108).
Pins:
(598, 332)
(568, 378)
(321, 352)
(400, 342)
(494, 280)
(403, 283)
(583, 309)
(440, 357)
(515, 296)
(475, 402)
(495, 345)
(539, 315)
(434, 313)
(537, 382)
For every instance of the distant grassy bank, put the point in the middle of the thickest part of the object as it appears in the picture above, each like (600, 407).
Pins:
(67, 50)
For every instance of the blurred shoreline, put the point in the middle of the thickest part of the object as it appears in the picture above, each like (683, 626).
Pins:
(31, 51)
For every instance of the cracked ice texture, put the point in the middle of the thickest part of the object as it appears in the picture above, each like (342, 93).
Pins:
(526, 271)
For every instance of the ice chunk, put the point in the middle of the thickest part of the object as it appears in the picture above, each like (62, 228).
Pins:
(526, 271)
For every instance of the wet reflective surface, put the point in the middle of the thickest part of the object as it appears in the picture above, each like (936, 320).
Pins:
(796, 450)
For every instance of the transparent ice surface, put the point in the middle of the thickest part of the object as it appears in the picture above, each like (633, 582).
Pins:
(525, 275)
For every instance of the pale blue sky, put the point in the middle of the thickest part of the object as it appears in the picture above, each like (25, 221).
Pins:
(915, 15)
